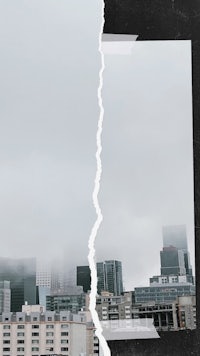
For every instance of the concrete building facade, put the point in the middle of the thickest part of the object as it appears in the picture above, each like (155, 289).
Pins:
(35, 333)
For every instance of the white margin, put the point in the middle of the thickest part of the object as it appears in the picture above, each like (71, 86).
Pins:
(91, 256)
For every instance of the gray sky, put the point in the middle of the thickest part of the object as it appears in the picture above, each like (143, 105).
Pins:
(48, 120)
(147, 155)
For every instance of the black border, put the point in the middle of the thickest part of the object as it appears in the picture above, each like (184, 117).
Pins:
(165, 20)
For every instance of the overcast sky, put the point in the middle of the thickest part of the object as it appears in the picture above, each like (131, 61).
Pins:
(147, 156)
(49, 76)
(48, 121)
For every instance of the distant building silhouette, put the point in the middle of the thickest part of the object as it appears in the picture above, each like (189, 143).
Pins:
(22, 276)
(83, 277)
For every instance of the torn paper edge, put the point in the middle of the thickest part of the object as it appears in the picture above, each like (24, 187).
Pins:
(91, 256)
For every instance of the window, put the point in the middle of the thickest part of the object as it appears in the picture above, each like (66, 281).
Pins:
(6, 349)
(64, 348)
(49, 326)
(35, 334)
(35, 341)
(49, 341)
(49, 318)
(64, 333)
(20, 319)
(35, 348)
(20, 349)
(64, 341)
(6, 334)
(20, 326)
(64, 326)
(50, 333)
(6, 342)
(20, 334)
(35, 318)
(20, 341)
(35, 326)
(6, 327)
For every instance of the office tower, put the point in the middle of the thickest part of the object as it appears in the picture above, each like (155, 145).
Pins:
(109, 275)
(42, 294)
(50, 275)
(176, 236)
(172, 261)
(43, 273)
(22, 276)
(5, 296)
(83, 277)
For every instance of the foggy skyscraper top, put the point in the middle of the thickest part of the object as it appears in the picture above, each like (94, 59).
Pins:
(175, 235)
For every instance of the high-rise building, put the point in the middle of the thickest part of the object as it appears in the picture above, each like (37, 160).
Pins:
(43, 273)
(5, 296)
(50, 275)
(83, 277)
(172, 261)
(109, 275)
(176, 236)
(22, 276)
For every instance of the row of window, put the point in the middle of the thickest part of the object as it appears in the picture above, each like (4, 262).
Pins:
(49, 333)
(36, 341)
(63, 333)
(37, 318)
(48, 326)
(33, 349)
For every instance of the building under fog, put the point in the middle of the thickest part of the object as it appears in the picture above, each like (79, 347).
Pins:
(176, 236)
(83, 277)
(21, 273)
(176, 278)
(5, 297)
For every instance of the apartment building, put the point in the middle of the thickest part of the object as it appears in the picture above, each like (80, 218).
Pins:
(34, 332)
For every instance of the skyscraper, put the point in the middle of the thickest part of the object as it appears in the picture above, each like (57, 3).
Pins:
(5, 297)
(172, 261)
(176, 236)
(83, 277)
(109, 275)
(22, 276)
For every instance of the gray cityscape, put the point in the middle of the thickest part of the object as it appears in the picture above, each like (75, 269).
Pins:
(37, 293)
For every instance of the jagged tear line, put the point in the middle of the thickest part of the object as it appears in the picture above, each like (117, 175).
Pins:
(91, 255)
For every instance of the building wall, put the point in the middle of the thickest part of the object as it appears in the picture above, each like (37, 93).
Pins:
(5, 296)
(36, 337)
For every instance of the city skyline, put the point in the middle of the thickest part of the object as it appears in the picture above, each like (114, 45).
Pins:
(53, 274)
(147, 156)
